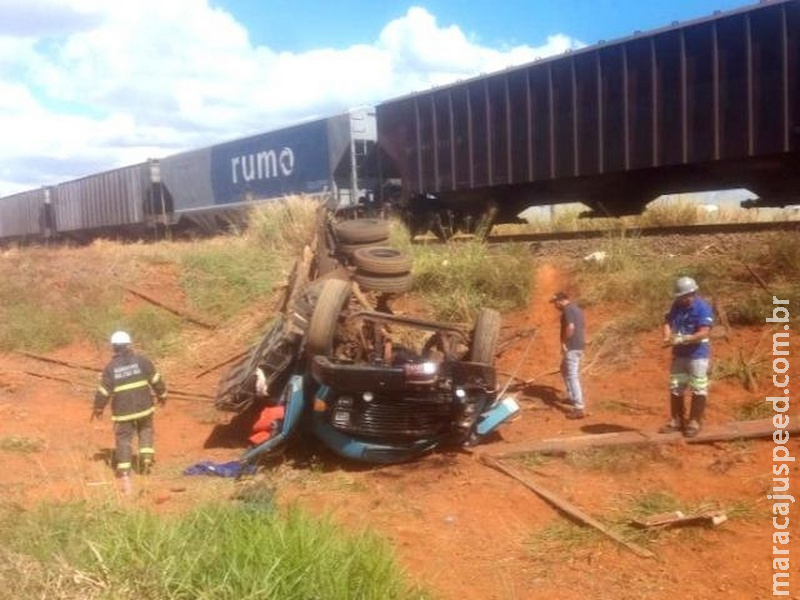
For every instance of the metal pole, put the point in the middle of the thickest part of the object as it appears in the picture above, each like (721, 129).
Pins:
(353, 166)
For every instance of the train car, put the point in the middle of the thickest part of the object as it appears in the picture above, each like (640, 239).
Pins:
(704, 105)
(120, 201)
(26, 216)
(214, 186)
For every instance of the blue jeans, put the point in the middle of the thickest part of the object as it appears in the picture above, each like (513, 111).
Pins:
(570, 373)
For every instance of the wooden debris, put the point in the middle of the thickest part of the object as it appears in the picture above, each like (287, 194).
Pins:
(516, 337)
(678, 518)
(173, 393)
(225, 362)
(180, 313)
(737, 430)
(51, 377)
(58, 362)
(566, 507)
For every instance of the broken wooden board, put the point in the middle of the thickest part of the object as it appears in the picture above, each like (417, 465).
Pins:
(175, 311)
(678, 518)
(565, 507)
(737, 430)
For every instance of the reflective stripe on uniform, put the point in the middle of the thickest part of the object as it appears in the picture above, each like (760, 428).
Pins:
(678, 379)
(147, 451)
(123, 466)
(134, 416)
(131, 386)
(156, 378)
(103, 391)
(698, 384)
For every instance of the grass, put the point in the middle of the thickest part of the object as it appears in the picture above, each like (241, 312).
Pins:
(22, 445)
(560, 538)
(459, 278)
(753, 410)
(619, 459)
(217, 551)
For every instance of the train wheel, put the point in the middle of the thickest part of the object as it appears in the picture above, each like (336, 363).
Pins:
(443, 226)
(382, 260)
(484, 223)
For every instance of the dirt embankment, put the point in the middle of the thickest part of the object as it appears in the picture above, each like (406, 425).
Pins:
(461, 529)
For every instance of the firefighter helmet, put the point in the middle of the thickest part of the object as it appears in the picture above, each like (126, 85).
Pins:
(685, 285)
(120, 338)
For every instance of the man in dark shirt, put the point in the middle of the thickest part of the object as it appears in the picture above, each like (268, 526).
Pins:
(572, 343)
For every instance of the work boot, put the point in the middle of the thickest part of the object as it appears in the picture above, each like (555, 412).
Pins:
(696, 412)
(576, 413)
(125, 484)
(147, 466)
(676, 411)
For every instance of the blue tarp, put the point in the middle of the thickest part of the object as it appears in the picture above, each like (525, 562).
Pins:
(228, 469)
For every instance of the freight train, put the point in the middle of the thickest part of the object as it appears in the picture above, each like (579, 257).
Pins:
(704, 105)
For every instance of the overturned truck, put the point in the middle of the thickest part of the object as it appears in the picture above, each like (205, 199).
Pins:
(369, 384)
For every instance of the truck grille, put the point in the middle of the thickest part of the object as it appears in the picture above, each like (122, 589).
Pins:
(386, 419)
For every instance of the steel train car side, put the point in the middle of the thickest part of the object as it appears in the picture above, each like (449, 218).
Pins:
(26, 216)
(111, 201)
(209, 189)
(213, 187)
(705, 105)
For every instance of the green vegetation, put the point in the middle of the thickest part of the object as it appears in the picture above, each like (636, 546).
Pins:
(460, 277)
(619, 459)
(753, 410)
(732, 279)
(216, 551)
(24, 445)
(51, 296)
(561, 538)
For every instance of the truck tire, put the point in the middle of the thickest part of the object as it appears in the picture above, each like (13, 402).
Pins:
(360, 231)
(332, 300)
(485, 336)
(390, 284)
(382, 260)
(348, 250)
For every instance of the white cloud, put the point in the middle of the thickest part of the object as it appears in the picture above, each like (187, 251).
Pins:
(88, 85)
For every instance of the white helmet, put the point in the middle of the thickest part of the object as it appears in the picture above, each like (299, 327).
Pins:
(120, 338)
(685, 285)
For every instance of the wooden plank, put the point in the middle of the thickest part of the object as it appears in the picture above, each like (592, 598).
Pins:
(737, 430)
(177, 312)
(58, 362)
(678, 518)
(566, 507)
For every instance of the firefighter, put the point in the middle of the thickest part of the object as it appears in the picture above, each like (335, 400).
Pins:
(687, 329)
(128, 382)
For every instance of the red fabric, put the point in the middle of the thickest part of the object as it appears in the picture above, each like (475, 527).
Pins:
(266, 424)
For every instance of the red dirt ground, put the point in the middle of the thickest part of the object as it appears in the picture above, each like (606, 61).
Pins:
(462, 530)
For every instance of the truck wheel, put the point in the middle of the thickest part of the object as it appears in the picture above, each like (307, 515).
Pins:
(390, 284)
(332, 299)
(382, 260)
(348, 250)
(484, 336)
(361, 231)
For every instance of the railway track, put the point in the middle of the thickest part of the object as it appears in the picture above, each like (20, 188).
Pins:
(631, 232)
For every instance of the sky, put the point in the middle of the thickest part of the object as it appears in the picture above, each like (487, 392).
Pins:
(92, 85)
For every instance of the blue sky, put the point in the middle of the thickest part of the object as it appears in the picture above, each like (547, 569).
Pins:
(287, 23)
(91, 85)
